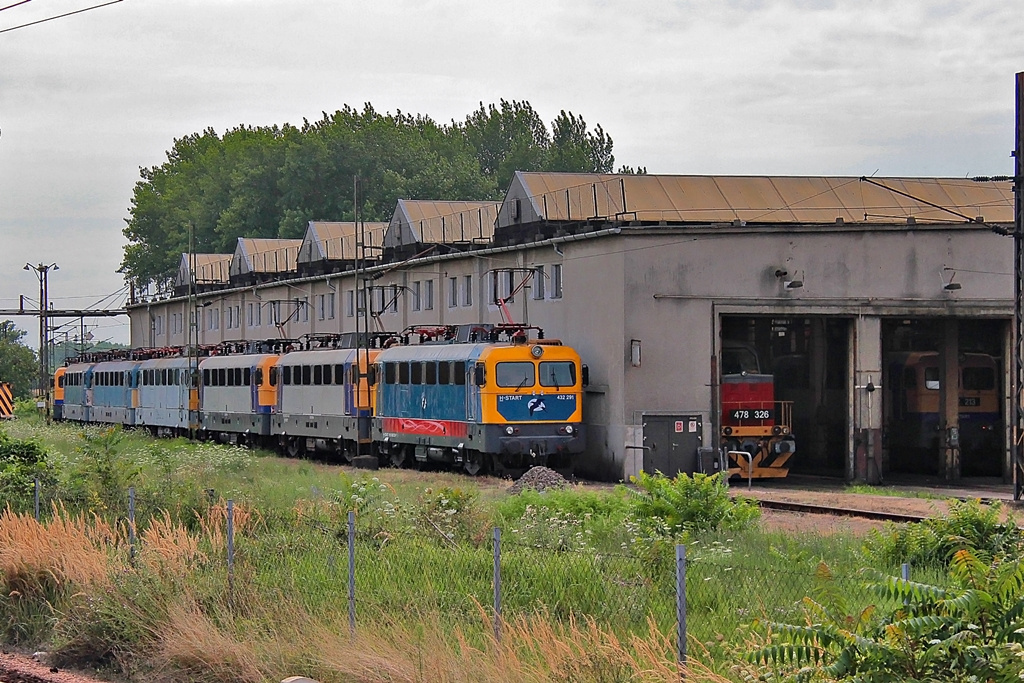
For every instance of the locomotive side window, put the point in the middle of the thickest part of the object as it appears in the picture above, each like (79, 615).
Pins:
(306, 375)
(273, 376)
(318, 375)
(516, 374)
(390, 373)
(444, 372)
(557, 374)
(739, 359)
(339, 374)
(287, 379)
(222, 377)
(247, 377)
(238, 377)
(403, 373)
(258, 376)
(979, 379)
(430, 373)
(460, 372)
(417, 373)
(931, 379)
(327, 374)
(206, 377)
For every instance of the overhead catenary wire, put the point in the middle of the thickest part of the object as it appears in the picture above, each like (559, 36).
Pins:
(59, 16)
(15, 5)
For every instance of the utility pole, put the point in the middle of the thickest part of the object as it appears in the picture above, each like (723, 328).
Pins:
(42, 272)
(1017, 448)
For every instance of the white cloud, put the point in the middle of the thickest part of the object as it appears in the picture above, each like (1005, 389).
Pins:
(797, 86)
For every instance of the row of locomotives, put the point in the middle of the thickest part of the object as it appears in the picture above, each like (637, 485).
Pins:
(324, 401)
(484, 399)
(756, 430)
(914, 426)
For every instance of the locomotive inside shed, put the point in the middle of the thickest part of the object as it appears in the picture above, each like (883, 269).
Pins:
(808, 358)
(917, 430)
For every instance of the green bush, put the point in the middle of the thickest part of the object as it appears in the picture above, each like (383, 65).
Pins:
(21, 462)
(969, 632)
(691, 504)
(933, 542)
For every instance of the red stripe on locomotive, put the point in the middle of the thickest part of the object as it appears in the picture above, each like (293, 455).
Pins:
(408, 425)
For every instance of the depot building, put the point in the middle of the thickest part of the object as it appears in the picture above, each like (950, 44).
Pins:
(880, 308)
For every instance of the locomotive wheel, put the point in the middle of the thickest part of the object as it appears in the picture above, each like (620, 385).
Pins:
(293, 447)
(474, 463)
(396, 457)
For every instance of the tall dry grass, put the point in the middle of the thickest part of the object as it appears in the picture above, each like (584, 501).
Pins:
(68, 551)
(261, 645)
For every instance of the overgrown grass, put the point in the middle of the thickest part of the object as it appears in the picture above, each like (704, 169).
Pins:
(588, 584)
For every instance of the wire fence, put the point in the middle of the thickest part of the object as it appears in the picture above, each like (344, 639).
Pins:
(343, 565)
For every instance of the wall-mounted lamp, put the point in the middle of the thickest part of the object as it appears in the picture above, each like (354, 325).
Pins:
(952, 286)
(794, 284)
(634, 352)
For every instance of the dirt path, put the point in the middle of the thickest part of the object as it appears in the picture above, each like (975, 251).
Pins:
(21, 668)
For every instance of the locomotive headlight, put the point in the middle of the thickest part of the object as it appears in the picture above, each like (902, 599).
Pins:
(537, 351)
(569, 429)
(510, 430)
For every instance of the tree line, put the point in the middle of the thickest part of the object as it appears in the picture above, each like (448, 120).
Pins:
(269, 181)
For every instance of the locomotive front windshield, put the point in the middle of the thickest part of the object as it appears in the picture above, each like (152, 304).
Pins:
(557, 374)
(516, 374)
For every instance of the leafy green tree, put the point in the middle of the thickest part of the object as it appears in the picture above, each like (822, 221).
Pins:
(271, 181)
(18, 363)
(576, 149)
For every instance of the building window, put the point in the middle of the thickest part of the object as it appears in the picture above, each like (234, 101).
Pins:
(248, 315)
(377, 299)
(350, 303)
(453, 292)
(556, 281)
(538, 282)
(227, 318)
(428, 295)
(258, 320)
(238, 315)
(321, 307)
(394, 298)
(361, 303)
(275, 312)
(303, 306)
(415, 304)
(467, 290)
(330, 306)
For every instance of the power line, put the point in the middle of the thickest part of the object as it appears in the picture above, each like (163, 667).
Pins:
(14, 5)
(59, 16)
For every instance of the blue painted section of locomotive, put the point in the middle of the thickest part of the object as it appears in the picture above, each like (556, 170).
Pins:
(527, 408)
(430, 401)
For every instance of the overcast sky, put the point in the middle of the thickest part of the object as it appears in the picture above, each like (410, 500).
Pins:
(907, 87)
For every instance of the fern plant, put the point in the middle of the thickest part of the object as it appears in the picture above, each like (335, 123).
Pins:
(698, 503)
(973, 631)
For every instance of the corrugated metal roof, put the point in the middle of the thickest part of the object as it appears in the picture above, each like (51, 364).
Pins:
(441, 222)
(336, 240)
(212, 268)
(764, 199)
(258, 255)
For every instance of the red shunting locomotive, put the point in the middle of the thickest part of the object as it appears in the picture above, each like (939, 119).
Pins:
(757, 430)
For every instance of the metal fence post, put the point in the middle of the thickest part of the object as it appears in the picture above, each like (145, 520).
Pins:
(681, 603)
(131, 524)
(352, 571)
(231, 552)
(497, 584)
(37, 499)
(905, 571)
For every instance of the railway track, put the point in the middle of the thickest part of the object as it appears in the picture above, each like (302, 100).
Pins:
(837, 512)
